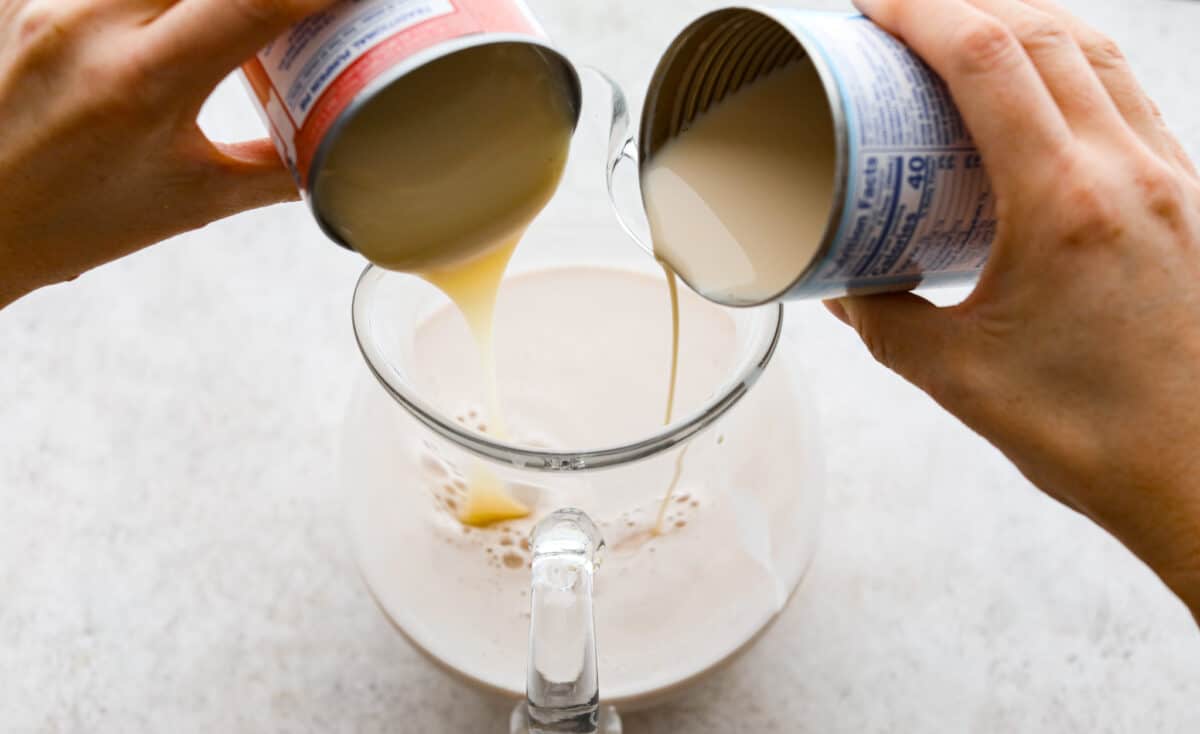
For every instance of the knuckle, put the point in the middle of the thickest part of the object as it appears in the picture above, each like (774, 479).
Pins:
(277, 11)
(1103, 52)
(1087, 211)
(264, 11)
(1163, 194)
(1043, 31)
(983, 46)
(1156, 112)
(1089, 216)
(45, 31)
(41, 29)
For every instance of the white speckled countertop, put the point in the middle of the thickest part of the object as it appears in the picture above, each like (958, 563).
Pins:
(172, 556)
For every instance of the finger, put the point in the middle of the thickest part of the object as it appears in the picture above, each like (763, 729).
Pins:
(139, 11)
(207, 39)
(1007, 107)
(143, 11)
(1123, 87)
(245, 176)
(1060, 62)
(908, 335)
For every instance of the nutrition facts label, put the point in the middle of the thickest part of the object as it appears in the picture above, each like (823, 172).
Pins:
(919, 201)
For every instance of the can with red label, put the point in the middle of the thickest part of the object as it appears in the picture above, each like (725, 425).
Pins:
(313, 80)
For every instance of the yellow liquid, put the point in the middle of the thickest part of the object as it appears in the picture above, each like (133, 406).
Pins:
(738, 202)
(450, 162)
(673, 290)
(474, 288)
(440, 175)
(447, 188)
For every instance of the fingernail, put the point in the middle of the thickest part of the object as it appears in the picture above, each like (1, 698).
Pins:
(838, 309)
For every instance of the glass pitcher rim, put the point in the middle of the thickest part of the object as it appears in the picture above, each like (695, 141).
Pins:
(732, 390)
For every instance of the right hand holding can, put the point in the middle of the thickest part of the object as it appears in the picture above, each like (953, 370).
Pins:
(1078, 355)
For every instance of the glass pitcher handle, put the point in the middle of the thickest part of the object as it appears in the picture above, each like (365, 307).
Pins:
(622, 174)
(562, 688)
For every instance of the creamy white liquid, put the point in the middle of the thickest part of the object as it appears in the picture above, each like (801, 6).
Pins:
(669, 607)
(738, 203)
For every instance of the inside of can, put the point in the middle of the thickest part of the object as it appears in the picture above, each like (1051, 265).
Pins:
(719, 56)
(439, 162)
(714, 58)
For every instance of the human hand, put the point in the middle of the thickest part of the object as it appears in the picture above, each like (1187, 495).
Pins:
(1078, 354)
(100, 153)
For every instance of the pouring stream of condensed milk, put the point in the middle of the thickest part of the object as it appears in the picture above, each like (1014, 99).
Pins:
(738, 202)
(441, 177)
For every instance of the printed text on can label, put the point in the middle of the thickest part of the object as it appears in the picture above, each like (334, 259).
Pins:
(919, 201)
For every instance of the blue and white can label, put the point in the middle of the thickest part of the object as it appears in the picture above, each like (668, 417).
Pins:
(919, 206)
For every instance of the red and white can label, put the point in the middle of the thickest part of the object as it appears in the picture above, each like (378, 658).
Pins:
(306, 78)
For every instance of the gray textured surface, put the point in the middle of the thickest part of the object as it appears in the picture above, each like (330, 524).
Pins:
(171, 548)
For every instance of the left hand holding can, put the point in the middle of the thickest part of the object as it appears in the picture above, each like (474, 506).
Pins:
(100, 154)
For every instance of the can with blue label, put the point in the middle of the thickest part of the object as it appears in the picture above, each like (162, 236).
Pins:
(912, 202)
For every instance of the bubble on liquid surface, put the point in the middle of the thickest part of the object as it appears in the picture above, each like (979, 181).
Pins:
(514, 560)
(506, 541)
(434, 466)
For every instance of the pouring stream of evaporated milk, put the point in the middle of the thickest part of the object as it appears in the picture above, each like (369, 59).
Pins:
(738, 201)
(673, 291)
(446, 189)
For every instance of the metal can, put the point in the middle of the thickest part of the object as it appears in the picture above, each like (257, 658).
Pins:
(912, 203)
(310, 82)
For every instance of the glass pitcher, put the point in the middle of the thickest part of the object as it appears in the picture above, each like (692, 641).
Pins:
(604, 593)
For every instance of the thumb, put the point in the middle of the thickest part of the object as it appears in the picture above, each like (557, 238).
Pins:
(249, 175)
(905, 333)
